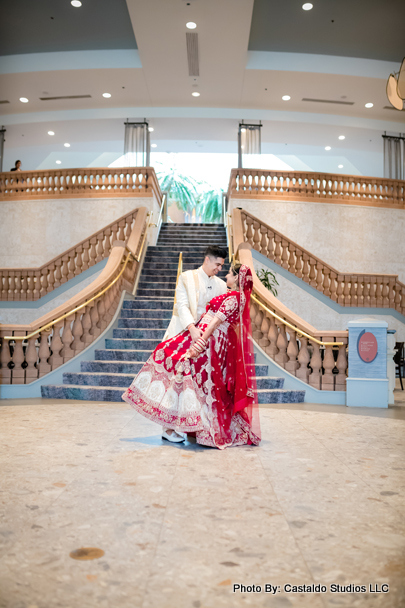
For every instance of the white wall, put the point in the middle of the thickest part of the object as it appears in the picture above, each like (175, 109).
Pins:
(349, 238)
(35, 231)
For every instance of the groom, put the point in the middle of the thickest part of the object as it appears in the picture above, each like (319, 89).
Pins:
(194, 290)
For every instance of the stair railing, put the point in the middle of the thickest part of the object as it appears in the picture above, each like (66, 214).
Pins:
(179, 271)
(28, 352)
(370, 290)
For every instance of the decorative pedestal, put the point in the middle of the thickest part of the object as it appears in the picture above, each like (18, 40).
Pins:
(367, 384)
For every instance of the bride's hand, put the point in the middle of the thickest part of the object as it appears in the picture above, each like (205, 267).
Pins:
(192, 352)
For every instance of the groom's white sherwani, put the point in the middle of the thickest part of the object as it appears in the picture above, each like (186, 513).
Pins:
(194, 290)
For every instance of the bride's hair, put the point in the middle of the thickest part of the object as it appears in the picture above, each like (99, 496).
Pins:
(236, 266)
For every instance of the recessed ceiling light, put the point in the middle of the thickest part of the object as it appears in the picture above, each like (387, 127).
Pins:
(106, 95)
(286, 98)
(195, 94)
(369, 105)
(58, 162)
(154, 146)
(51, 132)
(67, 145)
(328, 148)
(342, 137)
(151, 129)
(24, 99)
(307, 6)
(340, 166)
(191, 25)
(76, 3)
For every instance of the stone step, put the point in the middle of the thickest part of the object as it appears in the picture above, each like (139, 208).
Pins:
(108, 393)
(156, 284)
(143, 323)
(170, 276)
(133, 367)
(155, 293)
(269, 382)
(147, 304)
(120, 354)
(147, 314)
(126, 343)
(160, 266)
(139, 334)
(97, 379)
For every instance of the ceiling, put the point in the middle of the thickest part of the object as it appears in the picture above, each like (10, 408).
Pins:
(250, 55)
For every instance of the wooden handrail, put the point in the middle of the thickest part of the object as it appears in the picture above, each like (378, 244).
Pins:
(317, 187)
(370, 290)
(88, 182)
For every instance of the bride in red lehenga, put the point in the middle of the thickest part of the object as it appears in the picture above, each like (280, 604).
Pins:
(207, 388)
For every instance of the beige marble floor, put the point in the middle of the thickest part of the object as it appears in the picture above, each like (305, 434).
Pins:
(321, 501)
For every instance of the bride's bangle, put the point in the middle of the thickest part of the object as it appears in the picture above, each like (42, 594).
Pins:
(200, 344)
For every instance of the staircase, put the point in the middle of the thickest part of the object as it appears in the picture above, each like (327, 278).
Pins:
(143, 323)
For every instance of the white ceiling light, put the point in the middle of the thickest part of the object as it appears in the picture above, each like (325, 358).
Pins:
(24, 99)
(191, 25)
(340, 166)
(58, 162)
(369, 105)
(328, 148)
(151, 129)
(307, 6)
(154, 146)
(51, 132)
(76, 3)
(286, 98)
(195, 94)
(67, 145)
(342, 137)
(243, 130)
(106, 95)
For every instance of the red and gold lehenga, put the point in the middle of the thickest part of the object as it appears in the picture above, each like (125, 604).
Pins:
(213, 395)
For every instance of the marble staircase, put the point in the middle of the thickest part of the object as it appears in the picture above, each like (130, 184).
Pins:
(143, 322)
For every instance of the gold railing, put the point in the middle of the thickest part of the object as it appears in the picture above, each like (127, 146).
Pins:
(369, 290)
(317, 187)
(179, 271)
(30, 351)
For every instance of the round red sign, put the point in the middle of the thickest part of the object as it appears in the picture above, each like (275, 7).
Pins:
(367, 346)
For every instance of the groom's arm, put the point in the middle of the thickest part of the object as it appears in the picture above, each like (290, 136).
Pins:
(183, 310)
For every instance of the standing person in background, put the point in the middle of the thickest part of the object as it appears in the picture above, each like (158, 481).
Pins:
(17, 166)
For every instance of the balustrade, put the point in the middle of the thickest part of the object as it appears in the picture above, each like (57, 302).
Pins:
(317, 187)
(354, 290)
(70, 328)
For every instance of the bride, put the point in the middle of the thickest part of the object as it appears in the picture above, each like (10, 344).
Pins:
(207, 388)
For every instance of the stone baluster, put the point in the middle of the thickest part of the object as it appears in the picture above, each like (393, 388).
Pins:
(312, 274)
(264, 328)
(85, 256)
(292, 351)
(256, 236)
(56, 358)
(64, 269)
(333, 286)
(319, 276)
(284, 254)
(37, 285)
(18, 360)
(86, 325)
(67, 351)
(58, 273)
(281, 357)
(43, 279)
(303, 359)
(328, 379)
(4, 284)
(11, 283)
(366, 291)
(305, 268)
(114, 232)
(277, 249)
(128, 231)
(17, 286)
(100, 248)
(359, 293)
(385, 292)
(24, 285)
(346, 290)
(379, 292)
(263, 240)
(341, 365)
(316, 365)
(102, 323)
(272, 348)
(31, 358)
(391, 293)
(249, 231)
(373, 292)
(77, 331)
(270, 245)
(107, 242)
(257, 323)
(397, 300)
(71, 265)
(50, 274)
(94, 317)
(353, 290)
(93, 253)
(298, 269)
(121, 235)
(44, 354)
(79, 260)
(326, 285)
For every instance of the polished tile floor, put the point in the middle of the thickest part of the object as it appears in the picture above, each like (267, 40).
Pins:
(321, 501)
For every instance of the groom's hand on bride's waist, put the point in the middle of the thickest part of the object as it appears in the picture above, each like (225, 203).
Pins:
(195, 333)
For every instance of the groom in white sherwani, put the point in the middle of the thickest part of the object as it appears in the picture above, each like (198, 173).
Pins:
(194, 290)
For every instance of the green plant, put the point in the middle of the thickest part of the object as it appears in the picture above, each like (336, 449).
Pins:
(209, 205)
(182, 190)
(268, 279)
